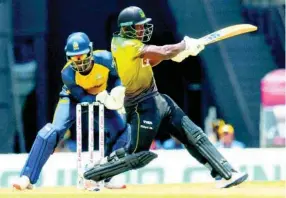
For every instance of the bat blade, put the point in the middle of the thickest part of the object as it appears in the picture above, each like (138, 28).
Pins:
(228, 32)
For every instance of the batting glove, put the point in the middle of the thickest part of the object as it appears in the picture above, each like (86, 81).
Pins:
(193, 48)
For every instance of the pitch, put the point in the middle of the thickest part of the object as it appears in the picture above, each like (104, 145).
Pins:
(248, 189)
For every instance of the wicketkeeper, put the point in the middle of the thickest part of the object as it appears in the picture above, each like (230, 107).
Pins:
(88, 76)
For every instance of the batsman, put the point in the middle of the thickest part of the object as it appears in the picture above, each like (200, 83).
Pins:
(88, 76)
(146, 107)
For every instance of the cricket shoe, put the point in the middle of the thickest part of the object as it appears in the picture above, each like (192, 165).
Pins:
(91, 185)
(236, 179)
(113, 184)
(22, 183)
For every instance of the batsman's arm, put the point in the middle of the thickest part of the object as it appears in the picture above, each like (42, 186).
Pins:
(176, 52)
(161, 53)
(76, 91)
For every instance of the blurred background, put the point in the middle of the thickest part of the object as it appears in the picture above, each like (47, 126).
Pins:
(234, 89)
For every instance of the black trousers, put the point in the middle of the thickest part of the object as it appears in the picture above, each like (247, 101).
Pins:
(146, 117)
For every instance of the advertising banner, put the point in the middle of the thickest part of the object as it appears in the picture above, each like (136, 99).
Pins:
(175, 166)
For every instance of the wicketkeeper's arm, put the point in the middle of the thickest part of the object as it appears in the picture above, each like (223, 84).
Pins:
(115, 99)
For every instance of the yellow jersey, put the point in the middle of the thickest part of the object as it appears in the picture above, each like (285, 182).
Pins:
(135, 73)
(84, 88)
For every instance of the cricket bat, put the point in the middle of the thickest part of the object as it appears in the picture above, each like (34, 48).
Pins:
(227, 32)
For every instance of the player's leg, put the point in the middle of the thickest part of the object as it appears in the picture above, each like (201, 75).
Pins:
(123, 139)
(45, 143)
(117, 131)
(144, 120)
(197, 143)
(118, 136)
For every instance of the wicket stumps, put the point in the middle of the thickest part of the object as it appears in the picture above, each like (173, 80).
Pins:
(90, 106)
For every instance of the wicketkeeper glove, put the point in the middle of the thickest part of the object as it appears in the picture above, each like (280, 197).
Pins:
(114, 100)
(193, 48)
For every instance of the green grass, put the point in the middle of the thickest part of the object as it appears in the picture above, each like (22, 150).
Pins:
(246, 190)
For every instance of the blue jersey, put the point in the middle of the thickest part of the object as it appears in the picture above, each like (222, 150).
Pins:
(84, 88)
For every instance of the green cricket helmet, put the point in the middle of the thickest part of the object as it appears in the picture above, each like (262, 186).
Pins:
(134, 24)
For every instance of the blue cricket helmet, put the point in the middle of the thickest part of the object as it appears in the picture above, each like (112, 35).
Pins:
(78, 44)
